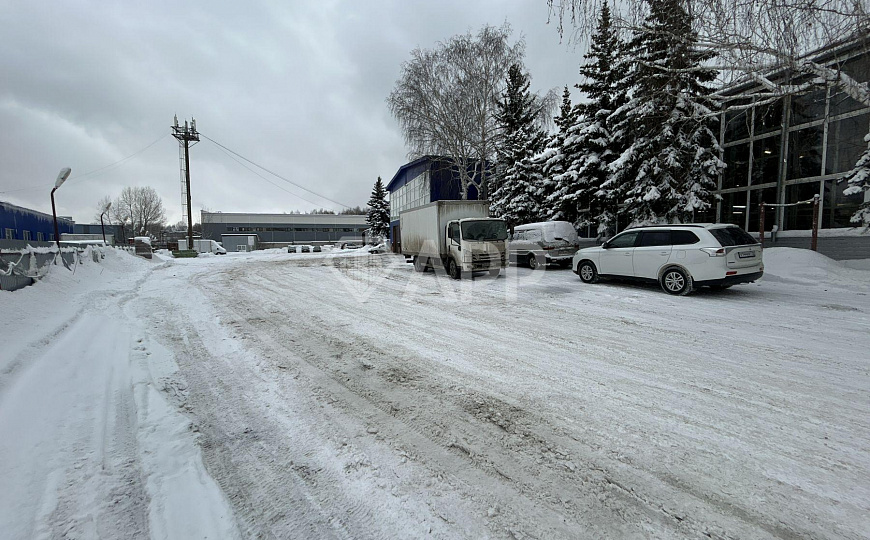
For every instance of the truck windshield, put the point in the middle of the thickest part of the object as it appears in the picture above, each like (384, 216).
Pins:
(484, 230)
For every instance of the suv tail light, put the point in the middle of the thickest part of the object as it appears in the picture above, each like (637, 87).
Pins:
(714, 252)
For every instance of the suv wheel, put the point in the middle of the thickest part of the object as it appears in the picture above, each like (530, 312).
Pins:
(676, 281)
(533, 262)
(587, 272)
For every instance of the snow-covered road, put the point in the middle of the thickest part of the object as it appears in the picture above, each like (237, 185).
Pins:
(349, 397)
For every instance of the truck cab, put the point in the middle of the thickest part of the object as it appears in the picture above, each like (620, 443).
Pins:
(476, 244)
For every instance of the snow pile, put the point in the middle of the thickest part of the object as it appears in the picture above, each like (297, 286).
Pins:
(809, 268)
(44, 307)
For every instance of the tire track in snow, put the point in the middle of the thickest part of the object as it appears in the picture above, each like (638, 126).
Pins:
(726, 506)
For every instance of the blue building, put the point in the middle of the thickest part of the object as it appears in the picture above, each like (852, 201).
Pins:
(422, 181)
(17, 223)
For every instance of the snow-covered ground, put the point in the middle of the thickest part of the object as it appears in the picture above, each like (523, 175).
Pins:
(342, 395)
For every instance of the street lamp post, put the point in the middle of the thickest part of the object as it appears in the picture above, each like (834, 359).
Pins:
(61, 178)
(102, 226)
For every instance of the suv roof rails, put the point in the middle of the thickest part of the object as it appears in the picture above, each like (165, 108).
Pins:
(695, 225)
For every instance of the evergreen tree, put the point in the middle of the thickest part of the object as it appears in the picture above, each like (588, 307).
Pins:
(670, 159)
(859, 182)
(518, 194)
(378, 217)
(552, 158)
(589, 146)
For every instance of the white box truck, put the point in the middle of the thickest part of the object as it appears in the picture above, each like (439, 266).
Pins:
(456, 235)
(203, 246)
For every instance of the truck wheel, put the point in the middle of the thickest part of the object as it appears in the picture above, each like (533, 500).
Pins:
(419, 264)
(495, 272)
(453, 270)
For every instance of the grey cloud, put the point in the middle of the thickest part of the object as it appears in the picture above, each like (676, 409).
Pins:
(298, 87)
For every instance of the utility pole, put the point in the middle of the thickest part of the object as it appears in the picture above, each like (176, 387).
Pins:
(185, 134)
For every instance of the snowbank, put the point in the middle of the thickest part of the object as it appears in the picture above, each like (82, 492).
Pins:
(43, 308)
(806, 267)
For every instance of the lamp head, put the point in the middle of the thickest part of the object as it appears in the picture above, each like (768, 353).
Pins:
(108, 205)
(62, 176)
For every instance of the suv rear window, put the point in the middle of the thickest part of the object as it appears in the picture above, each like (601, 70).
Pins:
(683, 238)
(732, 236)
(655, 238)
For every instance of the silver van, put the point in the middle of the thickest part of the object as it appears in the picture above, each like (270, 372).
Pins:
(547, 242)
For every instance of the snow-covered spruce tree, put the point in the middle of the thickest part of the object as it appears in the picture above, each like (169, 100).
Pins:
(589, 145)
(670, 161)
(552, 158)
(859, 182)
(518, 193)
(378, 217)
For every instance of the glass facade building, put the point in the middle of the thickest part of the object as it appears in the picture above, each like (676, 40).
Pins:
(788, 149)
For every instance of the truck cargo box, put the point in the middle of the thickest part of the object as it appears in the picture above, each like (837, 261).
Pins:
(423, 228)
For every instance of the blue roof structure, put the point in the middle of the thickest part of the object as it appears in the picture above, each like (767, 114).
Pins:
(19, 223)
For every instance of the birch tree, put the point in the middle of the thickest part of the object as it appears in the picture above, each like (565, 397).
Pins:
(444, 100)
(142, 208)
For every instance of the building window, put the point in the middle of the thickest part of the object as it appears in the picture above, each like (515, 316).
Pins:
(756, 197)
(800, 217)
(10, 234)
(27, 235)
(734, 208)
(231, 229)
(40, 237)
(846, 143)
(413, 194)
(736, 174)
(768, 118)
(838, 209)
(808, 107)
(737, 124)
(765, 160)
(805, 153)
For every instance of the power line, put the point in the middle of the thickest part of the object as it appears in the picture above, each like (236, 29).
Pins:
(119, 162)
(229, 155)
(276, 174)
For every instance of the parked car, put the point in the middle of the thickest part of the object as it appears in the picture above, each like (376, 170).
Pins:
(678, 257)
(547, 242)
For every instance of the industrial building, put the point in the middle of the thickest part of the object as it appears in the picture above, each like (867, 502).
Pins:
(285, 229)
(792, 148)
(19, 223)
(424, 180)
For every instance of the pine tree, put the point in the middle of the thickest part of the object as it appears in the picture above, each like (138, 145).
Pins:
(378, 217)
(859, 182)
(589, 146)
(670, 159)
(518, 194)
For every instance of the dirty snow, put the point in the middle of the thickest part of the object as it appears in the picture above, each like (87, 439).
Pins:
(342, 395)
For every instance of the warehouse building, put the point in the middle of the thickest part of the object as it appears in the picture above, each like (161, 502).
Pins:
(24, 224)
(424, 180)
(285, 229)
(793, 148)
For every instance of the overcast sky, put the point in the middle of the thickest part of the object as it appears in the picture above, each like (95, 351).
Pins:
(298, 87)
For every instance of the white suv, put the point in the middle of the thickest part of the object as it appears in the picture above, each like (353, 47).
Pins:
(679, 257)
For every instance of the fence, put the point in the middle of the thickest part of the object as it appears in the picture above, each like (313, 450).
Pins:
(23, 267)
